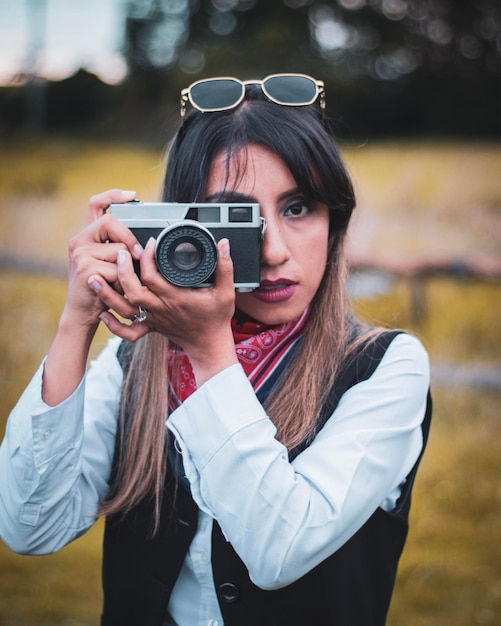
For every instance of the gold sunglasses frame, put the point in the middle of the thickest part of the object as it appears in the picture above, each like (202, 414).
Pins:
(186, 93)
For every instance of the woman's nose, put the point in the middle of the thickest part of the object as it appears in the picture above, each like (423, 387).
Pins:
(274, 250)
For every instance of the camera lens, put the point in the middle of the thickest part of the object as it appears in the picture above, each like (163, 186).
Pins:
(186, 254)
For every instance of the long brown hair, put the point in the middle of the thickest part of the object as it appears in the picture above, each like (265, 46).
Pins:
(306, 144)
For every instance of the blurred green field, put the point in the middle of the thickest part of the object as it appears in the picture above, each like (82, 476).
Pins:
(425, 199)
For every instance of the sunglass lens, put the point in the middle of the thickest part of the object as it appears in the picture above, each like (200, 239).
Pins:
(217, 94)
(291, 89)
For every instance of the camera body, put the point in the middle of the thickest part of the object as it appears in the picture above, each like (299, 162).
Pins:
(186, 235)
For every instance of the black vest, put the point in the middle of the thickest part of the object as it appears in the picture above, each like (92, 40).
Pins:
(352, 587)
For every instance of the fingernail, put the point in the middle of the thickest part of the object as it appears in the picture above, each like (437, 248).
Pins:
(122, 255)
(105, 318)
(151, 242)
(128, 192)
(225, 248)
(93, 284)
(138, 249)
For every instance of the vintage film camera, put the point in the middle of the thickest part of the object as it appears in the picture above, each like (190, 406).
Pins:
(186, 236)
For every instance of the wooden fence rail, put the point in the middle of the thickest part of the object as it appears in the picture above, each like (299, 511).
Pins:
(415, 272)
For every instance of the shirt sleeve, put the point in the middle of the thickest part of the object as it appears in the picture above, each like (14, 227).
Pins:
(55, 462)
(285, 518)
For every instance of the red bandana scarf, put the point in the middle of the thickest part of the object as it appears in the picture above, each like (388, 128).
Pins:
(260, 349)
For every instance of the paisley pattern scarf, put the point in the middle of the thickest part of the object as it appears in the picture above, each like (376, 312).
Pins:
(260, 350)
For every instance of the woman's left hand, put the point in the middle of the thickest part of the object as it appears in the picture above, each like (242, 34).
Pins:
(196, 319)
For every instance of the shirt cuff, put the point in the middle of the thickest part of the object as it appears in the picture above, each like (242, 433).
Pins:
(214, 413)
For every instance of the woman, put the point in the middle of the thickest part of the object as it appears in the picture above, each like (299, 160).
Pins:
(278, 490)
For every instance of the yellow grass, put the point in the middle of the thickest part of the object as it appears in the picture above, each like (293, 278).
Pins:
(450, 572)
(441, 199)
(414, 199)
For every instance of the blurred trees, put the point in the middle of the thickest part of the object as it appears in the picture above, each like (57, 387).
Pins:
(385, 39)
(391, 66)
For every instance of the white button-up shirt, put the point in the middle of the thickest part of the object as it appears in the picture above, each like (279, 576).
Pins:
(282, 518)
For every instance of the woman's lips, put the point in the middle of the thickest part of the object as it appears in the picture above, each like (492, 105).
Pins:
(271, 291)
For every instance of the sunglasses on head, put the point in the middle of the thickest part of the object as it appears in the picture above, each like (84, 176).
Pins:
(223, 93)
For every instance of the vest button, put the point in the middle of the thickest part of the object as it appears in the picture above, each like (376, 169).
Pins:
(229, 592)
(183, 522)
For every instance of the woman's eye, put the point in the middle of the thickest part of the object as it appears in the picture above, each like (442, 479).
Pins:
(300, 209)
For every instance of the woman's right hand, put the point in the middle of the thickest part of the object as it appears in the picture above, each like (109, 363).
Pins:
(93, 252)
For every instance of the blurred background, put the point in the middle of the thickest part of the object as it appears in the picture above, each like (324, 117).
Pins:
(89, 97)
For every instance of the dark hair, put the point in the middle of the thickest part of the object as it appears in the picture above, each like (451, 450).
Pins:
(298, 135)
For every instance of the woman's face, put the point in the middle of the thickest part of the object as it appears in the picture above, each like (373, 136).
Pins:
(294, 250)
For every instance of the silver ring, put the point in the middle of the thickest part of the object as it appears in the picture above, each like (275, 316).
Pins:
(141, 317)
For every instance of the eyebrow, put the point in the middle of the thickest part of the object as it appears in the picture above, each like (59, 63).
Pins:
(235, 196)
(230, 196)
